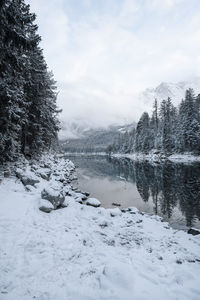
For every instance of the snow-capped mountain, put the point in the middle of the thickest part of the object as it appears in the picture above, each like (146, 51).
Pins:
(176, 91)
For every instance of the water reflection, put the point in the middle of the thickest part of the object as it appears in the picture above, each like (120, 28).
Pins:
(169, 185)
(171, 189)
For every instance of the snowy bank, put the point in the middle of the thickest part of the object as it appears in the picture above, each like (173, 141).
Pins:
(81, 252)
(83, 154)
(187, 157)
(157, 158)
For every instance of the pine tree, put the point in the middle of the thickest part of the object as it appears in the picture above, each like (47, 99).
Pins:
(42, 127)
(154, 123)
(197, 107)
(188, 122)
(28, 112)
(168, 115)
(142, 136)
(13, 43)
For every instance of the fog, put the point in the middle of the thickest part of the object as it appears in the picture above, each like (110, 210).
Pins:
(103, 53)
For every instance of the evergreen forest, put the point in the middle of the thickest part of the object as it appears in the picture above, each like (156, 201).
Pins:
(28, 111)
(169, 129)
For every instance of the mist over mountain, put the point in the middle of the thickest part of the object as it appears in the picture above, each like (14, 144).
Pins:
(80, 128)
(95, 140)
(176, 91)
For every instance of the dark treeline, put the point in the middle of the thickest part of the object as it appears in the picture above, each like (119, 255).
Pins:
(93, 141)
(168, 185)
(28, 112)
(168, 129)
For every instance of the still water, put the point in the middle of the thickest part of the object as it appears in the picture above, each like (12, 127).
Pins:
(170, 190)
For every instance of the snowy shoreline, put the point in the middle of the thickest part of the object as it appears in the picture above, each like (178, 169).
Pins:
(184, 158)
(151, 157)
(84, 154)
(106, 253)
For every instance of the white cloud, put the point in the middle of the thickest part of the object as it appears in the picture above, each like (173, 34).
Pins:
(164, 4)
(103, 56)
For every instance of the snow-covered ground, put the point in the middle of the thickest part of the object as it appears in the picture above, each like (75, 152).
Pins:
(84, 253)
(152, 157)
(84, 154)
(187, 157)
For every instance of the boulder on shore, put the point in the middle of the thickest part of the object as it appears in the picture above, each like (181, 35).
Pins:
(116, 204)
(193, 231)
(44, 173)
(115, 212)
(45, 206)
(57, 198)
(27, 178)
(93, 202)
(81, 196)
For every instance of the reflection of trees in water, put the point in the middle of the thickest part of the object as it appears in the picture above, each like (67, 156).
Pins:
(142, 180)
(99, 166)
(168, 184)
(188, 187)
(95, 165)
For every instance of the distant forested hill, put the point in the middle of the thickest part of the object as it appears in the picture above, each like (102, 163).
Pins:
(169, 129)
(96, 140)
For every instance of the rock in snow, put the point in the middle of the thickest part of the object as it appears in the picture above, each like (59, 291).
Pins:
(45, 206)
(57, 198)
(81, 196)
(29, 180)
(116, 204)
(115, 212)
(68, 200)
(93, 202)
(193, 231)
(27, 177)
(45, 173)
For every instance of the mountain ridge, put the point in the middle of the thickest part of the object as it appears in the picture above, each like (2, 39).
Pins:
(176, 91)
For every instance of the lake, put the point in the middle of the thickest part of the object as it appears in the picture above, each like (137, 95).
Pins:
(171, 190)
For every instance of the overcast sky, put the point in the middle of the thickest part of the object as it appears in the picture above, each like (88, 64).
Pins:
(103, 52)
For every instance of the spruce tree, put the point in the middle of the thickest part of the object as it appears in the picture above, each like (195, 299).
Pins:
(142, 136)
(13, 44)
(28, 112)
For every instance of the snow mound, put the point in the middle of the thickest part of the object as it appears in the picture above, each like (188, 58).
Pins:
(54, 196)
(93, 202)
(115, 212)
(68, 200)
(45, 173)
